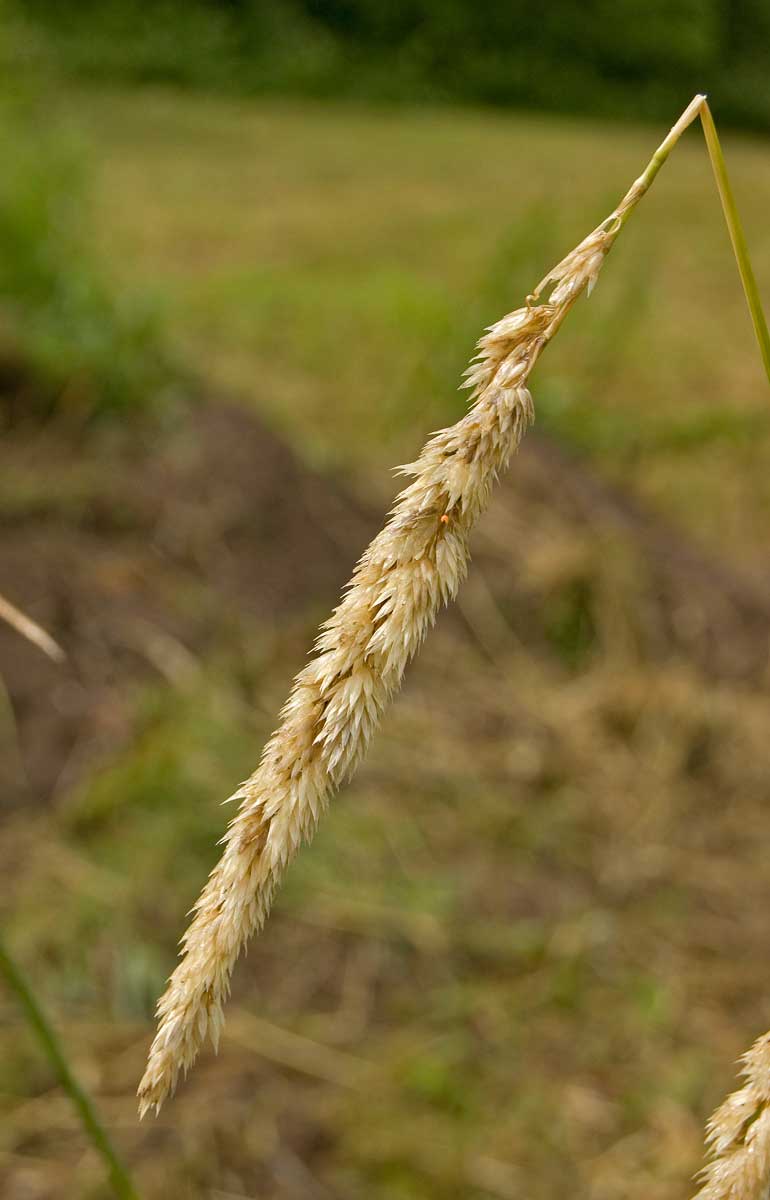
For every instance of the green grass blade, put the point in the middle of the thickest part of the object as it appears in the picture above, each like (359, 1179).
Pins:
(14, 977)
(737, 236)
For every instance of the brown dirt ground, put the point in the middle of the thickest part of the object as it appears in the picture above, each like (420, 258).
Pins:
(580, 747)
(133, 555)
(140, 544)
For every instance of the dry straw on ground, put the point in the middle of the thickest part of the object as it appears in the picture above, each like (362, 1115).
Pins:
(413, 566)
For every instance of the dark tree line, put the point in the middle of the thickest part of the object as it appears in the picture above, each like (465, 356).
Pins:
(630, 57)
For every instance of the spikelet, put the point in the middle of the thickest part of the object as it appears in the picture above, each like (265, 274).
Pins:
(413, 566)
(738, 1135)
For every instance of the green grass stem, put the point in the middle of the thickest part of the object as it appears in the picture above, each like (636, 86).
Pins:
(737, 236)
(38, 1022)
(698, 107)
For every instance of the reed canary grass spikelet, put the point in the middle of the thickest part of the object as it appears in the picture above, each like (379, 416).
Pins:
(413, 566)
(738, 1135)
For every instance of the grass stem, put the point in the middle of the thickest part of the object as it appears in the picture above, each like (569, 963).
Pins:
(698, 107)
(641, 185)
(737, 236)
(52, 1048)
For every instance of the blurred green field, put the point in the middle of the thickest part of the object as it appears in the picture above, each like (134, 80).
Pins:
(335, 268)
(528, 943)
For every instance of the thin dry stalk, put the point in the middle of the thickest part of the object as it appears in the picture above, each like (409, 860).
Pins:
(30, 630)
(738, 1135)
(412, 567)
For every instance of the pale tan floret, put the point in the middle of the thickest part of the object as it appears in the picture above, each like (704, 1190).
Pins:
(413, 566)
(738, 1135)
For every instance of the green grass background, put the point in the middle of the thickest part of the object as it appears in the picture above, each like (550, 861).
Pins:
(538, 946)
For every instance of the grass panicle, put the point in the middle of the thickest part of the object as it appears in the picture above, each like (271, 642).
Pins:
(412, 567)
(738, 1135)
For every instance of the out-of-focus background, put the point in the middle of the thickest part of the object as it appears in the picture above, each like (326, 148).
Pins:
(245, 252)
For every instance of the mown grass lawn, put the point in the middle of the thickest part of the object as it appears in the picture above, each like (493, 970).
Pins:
(334, 267)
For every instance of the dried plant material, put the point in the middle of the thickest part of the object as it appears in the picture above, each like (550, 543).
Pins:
(738, 1135)
(413, 566)
(30, 630)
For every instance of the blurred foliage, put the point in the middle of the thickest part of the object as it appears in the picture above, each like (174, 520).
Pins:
(536, 918)
(624, 57)
(68, 341)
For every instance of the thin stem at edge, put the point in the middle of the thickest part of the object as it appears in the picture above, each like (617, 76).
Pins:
(737, 236)
(38, 1022)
